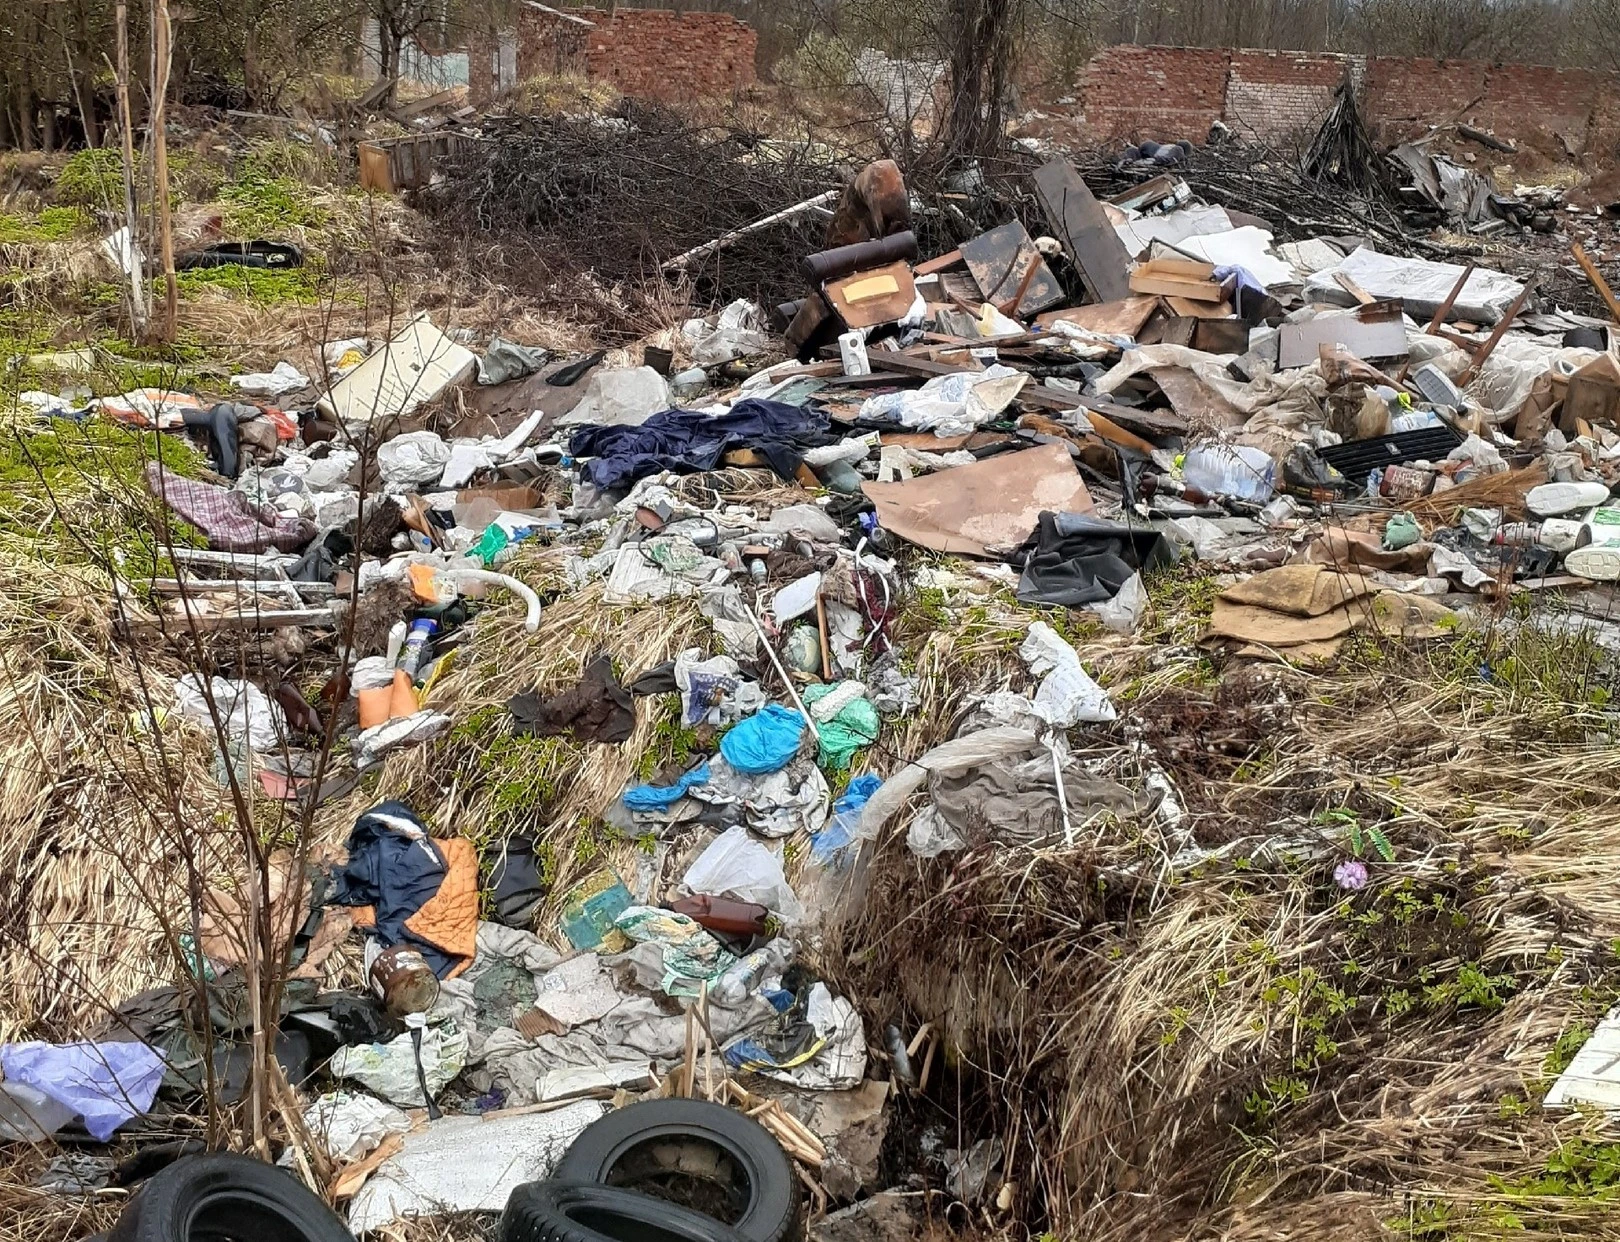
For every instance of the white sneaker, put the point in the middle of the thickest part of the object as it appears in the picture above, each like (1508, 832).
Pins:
(1551, 499)
(1594, 562)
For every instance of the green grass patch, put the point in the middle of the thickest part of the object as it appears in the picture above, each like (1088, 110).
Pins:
(54, 224)
(76, 492)
(260, 205)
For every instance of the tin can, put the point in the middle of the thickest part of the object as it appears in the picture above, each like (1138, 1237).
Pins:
(404, 981)
(1405, 483)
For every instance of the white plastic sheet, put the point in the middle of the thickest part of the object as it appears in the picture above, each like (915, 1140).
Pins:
(349, 1126)
(736, 865)
(951, 405)
(244, 710)
(1418, 283)
(467, 1164)
(279, 380)
(624, 398)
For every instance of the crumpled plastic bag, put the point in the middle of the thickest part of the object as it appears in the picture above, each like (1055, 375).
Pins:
(736, 332)
(412, 460)
(1123, 613)
(279, 380)
(1067, 695)
(106, 1084)
(736, 865)
(765, 741)
(931, 834)
(950, 405)
(390, 1069)
(845, 721)
(826, 1051)
(626, 397)
(714, 690)
(245, 711)
(349, 1126)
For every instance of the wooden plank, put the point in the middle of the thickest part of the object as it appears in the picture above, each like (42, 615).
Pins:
(1444, 308)
(1124, 318)
(1199, 310)
(1598, 283)
(1176, 286)
(930, 266)
(1081, 225)
(1179, 269)
(1506, 322)
(1348, 283)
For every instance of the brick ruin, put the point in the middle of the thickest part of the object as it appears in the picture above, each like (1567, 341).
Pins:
(647, 53)
(1167, 93)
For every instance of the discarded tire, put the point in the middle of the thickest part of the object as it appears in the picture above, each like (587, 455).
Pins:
(226, 1198)
(701, 1156)
(569, 1211)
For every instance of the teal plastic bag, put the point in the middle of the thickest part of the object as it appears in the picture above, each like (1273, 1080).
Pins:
(855, 725)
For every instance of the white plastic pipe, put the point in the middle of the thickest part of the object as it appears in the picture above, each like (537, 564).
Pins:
(530, 623)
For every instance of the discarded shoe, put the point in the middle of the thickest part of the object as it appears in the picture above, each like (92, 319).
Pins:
(1551, 499)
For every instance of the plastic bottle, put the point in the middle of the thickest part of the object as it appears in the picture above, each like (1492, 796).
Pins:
(416, 645)
(733, 987)
(1231, 470)
(723, 914)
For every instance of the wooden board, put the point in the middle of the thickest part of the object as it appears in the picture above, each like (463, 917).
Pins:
(1123, 318)
(1198, 310)
(1176, 286)
(999, 259)
(1081, 225)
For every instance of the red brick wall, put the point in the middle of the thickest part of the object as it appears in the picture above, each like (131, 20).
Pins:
(1164, 92)
(649, 53)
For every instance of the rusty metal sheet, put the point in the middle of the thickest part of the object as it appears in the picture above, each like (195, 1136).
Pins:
(998, 260)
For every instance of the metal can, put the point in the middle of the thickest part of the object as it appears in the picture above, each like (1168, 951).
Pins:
(404, 981)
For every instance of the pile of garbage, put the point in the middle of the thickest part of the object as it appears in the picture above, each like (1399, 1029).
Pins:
(1365, 446)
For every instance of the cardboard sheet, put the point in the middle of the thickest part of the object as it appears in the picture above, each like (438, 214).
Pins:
(994, 503)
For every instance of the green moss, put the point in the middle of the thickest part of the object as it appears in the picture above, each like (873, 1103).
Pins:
(262, 205)
(77, 492)
(93, 177)
(51, 225)
(261, 286)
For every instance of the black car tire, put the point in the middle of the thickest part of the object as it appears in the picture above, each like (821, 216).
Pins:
(226, 1198)
(699, 1155)
(568, 1211)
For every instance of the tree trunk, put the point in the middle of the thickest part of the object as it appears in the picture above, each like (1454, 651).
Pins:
(981, 63)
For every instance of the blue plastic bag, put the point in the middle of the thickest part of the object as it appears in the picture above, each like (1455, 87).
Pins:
(840, 829)
(106, 1084)
(659, 797)
(765, 741)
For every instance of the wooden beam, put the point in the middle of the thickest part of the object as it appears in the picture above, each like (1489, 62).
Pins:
(1598, 283)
